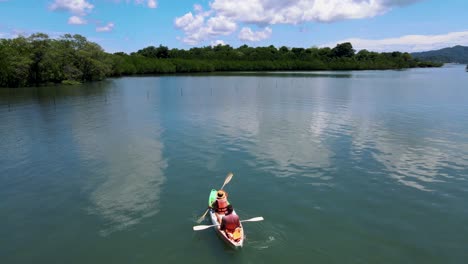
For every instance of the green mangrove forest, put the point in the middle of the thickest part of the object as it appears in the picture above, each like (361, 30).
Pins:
(39, 59)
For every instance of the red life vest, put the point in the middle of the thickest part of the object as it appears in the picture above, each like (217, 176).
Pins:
(222, 206)
(231, 222)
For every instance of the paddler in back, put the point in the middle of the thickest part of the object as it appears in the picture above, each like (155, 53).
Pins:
(220, 205)
(230, 223)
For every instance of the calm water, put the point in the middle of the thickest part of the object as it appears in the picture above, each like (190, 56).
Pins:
(345, 167)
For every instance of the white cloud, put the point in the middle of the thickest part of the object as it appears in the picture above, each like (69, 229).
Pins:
(270, 12)
(76, 20)
(218, 42)
(190, 24)
(248, 35)
(197, 29)
(197, 8)
(77, 7)
(149, 3)
(14, 33)
(152, 3)
(18, 32)
(299, 11)
(220, 25)
(408, 43)
(107, 28)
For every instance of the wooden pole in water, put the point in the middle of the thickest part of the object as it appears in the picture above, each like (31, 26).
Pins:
(9, 99)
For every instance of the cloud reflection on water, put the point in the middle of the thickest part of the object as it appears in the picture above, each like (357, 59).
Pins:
(126, 181)
(423, 161)
(131, 189)
(319, 117)
(276, 134)
(414, 153)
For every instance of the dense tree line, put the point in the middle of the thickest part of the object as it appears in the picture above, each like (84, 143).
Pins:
(38, 59)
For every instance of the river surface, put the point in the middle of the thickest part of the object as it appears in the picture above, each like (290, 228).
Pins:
(345, 167)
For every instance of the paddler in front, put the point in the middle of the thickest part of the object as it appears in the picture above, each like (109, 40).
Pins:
(220, 205)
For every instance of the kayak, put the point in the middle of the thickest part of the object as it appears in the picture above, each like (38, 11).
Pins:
(222, 234)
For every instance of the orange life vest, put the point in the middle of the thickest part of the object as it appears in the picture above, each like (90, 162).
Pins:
(222, 206)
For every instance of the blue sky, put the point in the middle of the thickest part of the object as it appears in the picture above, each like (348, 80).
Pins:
(129, 25)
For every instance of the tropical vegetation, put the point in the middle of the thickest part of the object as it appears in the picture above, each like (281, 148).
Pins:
(38, 59)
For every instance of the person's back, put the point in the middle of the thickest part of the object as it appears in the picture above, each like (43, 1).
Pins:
(230, 223)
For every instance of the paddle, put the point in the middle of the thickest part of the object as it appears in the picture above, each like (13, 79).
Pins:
(203, 227)
(226, 181)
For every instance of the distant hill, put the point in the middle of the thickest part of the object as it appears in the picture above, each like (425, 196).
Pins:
(458, 54)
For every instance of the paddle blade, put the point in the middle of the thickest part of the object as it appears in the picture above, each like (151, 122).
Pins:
(228, 179)
(202, 217)
(202, 227)
(255, 219)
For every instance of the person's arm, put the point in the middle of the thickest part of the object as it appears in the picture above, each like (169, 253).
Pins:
(238, 224)
(222, 226)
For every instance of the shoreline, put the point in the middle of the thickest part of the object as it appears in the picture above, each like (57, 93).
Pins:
(296, 73)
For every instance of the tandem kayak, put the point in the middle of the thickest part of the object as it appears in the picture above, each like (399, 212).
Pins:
(222, 234)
